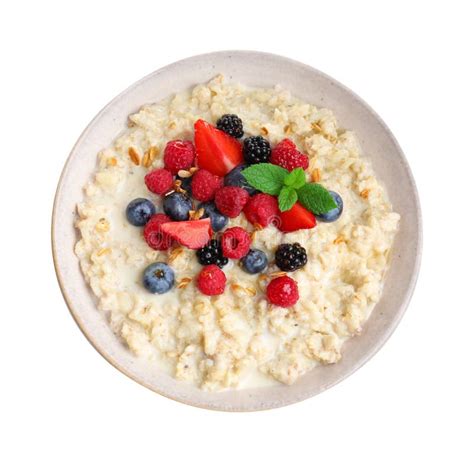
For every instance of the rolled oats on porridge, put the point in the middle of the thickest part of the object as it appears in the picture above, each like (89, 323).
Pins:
(235, 237)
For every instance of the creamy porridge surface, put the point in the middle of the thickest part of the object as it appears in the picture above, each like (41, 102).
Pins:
(237, 339)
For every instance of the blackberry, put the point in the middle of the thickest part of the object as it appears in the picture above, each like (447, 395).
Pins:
(256, 150)
(290, 257)
(232, 125)
(211, 254)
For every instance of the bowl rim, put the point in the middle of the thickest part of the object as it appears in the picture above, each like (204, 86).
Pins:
(387, 333)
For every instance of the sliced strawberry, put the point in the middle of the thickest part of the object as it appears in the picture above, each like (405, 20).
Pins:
(216, 151)
(296, 218)
(192, 234)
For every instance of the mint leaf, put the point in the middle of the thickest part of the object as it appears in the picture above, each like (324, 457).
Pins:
(287, 198)
(296, 178)
(267, 178)
(316, 198)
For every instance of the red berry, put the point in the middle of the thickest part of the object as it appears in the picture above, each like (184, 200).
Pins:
(179, 155)
(193, 234)
(262, 209)
(296, 218)
(205, 184)
(230, 200)
(211, 280)
(216, 151)
(235, 242)
(286, 155)
(154, 235)
(159, 181)
(283, 291)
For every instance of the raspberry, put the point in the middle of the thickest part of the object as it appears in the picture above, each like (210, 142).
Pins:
(204, 185)
(159, 181)
(283, 291)
(179, 155)
(286, 155)
(230, 200)
(211, 280)
(262, 209)
(154, 236)
(235, 242)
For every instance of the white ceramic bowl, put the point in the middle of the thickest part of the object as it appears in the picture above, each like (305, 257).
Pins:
(254, 69)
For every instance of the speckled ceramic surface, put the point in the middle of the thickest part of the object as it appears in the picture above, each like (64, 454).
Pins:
(254, 69)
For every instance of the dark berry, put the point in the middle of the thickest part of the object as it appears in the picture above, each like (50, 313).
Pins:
(186, 184)
(256, 150)
(177, 206)
(211, 254)
(158, 278)
(290, 257)
(139, 211)
(254, 262)
(218, 221)
(235, 178)
(232, 125)
(333, 214)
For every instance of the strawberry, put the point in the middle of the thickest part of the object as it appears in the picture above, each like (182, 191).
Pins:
(216, 151)
(296, 218)
(192, 234)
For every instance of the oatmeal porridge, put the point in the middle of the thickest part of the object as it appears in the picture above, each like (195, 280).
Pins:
(281, 265)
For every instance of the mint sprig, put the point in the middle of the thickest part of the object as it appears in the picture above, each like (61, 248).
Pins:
(290, 187)
(316, 198)
(287, 198)
(267, 178)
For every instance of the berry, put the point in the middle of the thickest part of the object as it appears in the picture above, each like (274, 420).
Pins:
(256, 150)
(204, 185)
(211, 280)
(186, 184)
(235, 178)
(283, 291)
(232, 125)
(159, 181)
(216, 151)
(335, 213)
(254, 262)
(296, 218)
(262, 209)
(177, 206)
(235, 242)
(290, 257)
(218, 221)
(230, 200)
(192, 234)
(154, 235)
(139, 211)
(179, 155)
(286, 155)
(158, 278)
(211, 254)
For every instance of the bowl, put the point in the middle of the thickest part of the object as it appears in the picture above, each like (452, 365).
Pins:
(253, 69)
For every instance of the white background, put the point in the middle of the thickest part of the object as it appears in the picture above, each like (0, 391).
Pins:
(62, 61)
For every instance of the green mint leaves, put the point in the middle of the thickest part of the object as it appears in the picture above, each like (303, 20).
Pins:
(289, 187)
(267, 178)
(316, 198)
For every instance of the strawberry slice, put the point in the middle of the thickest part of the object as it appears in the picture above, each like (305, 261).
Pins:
(296, 218)
(216, 151)
(192, 234)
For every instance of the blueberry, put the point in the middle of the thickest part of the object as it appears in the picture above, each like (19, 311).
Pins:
(177, 206)
(235, 178)
(186, 184)
(158, 278)
(254, 262)
(139, 211)
(218, 221)
(335, 213)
